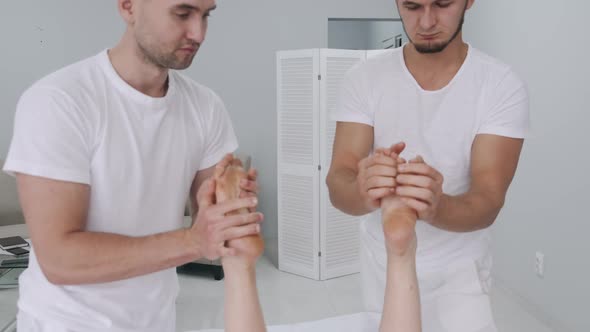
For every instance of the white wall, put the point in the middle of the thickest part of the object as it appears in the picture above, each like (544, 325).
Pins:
(237, 60)
(548, 43)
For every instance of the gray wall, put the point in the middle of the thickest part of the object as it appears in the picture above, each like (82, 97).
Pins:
(380, 30)
(354, 34)
(547, 42)
(237, 61)
(350, 34)
(39, 37)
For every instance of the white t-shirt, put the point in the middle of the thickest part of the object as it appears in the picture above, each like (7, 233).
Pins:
(139, 155)
(484, 97)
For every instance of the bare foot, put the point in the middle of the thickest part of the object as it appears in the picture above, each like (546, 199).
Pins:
(399, 223)
(228, 187)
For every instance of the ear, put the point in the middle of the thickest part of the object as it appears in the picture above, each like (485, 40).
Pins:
(469, 4)
(127, 9)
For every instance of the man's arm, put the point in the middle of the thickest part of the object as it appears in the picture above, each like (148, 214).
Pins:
(357, 181)
(56, 213)
(494, 160)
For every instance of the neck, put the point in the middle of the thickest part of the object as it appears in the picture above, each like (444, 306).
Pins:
(136, 70)
(452, 56)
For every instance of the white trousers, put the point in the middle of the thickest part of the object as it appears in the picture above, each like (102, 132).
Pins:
(454, 299)
(28, 323)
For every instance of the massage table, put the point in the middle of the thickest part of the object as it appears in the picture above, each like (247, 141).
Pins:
(359, 322)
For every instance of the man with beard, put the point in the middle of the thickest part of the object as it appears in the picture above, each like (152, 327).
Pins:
(459, 117)
(106, 152)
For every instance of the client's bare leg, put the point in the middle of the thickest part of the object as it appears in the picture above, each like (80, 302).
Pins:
(401, 310)
(242, 306)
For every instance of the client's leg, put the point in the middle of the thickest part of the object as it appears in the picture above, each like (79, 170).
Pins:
(401, 310)
(242, 306)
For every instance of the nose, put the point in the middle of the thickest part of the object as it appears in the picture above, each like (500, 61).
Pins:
(428, 19)
(197, 30)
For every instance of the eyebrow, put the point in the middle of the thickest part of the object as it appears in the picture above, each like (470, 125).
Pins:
(410, 2)
(186, 6)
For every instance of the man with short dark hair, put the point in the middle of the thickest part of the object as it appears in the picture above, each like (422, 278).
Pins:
(461, 117)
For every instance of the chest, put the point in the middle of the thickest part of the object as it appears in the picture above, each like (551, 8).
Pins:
(438, 126)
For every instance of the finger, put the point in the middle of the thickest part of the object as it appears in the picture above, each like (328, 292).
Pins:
(420, 181)
(381, 170)
(421, 168)
(398, 148)
(417, 159)
(248, 194)
(417, 205)
(380, 181)
(244, 194)
(241, 231)
(417, 168)
(234, 204)
(382, 151)
(379, 193)
(253, 174)
(248, 185)
(206, 194)
(420, 194)
(379, 159)
(242, 219)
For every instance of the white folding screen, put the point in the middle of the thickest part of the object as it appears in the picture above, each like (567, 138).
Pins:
(339, 232)
(315, 239)
(372, 53)
(298, 160)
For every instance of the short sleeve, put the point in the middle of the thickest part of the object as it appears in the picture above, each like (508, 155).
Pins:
(220, 137)
(352, 104)
(50, 137)
(508, 111)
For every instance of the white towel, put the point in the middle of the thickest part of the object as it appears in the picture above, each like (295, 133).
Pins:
(360, 322)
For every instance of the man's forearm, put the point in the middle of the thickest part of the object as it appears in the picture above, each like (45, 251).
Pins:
(468, 212)
(88, 257)
(344, 193)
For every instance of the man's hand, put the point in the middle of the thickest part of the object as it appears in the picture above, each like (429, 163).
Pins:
(420, 187)
(212, 228)
(376, 175)
(249, 186)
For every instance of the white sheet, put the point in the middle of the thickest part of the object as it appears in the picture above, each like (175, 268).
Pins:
(360, 322)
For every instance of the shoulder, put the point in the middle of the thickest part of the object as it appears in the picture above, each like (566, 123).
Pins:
(377, 61)
(494, 71)
(68, 84)
(195, 91)
(77, 76)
